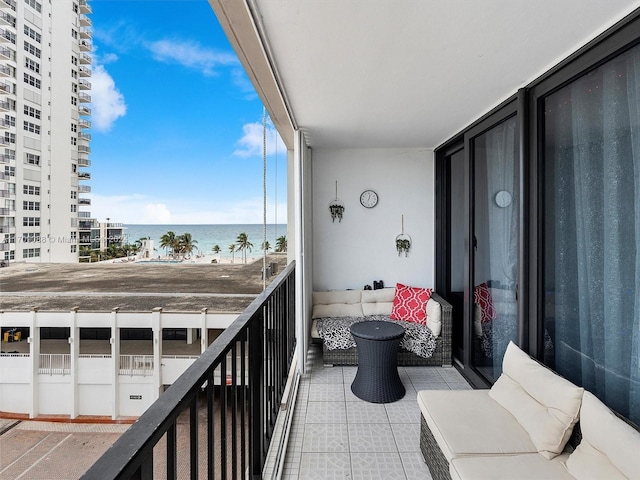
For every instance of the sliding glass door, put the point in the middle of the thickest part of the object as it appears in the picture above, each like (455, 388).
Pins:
(495, 207)
(592, 232)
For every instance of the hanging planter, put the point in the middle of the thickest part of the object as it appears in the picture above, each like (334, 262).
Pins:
(403, 242)
(336, 207)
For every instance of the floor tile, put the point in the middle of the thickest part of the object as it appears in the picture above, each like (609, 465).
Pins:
(325, 438)
(377, 466)
(325, 466)
(371, 437)
(326, 412)
(362, 412)
(326, 392)
(407, 436)
(414, 466)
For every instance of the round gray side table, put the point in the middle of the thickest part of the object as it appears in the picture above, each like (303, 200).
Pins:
(377, 378)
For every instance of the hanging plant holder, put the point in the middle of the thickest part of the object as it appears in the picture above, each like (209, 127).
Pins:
(336, 207)
(403, 242)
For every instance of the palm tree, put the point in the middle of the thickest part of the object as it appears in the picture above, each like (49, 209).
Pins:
(216, 250)
(168, 241)
(232, 249)
(281, 244)
(243, 245)
(186, 244)
(266, 245)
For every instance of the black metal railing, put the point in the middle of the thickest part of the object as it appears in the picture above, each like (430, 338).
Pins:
(219, 415)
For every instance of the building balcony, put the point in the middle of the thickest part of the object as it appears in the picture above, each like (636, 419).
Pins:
(85, 225)
(84, 188)
(4, 123)
(85, 46)
(84, 84)
(84, 110)
(6, 53)
(10, 4)
(85, 59)
(86, 33)
(83, 123)
(84, 149)
(84, 176)
(84, 215)
(4, 106)
(85, 21)
(4, 194)
(6, 71)
(6, 228)
(4, 142)
(84, 71)
(84, 162)
(7, 19)
(84, 136)
(84, 97)
(5, 36)
(5, 88)
(85, 7)
(84, 201)
(3, 157)
(5, 212)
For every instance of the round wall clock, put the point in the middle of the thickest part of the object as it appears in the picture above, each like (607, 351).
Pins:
(369, 199)
(503, 198)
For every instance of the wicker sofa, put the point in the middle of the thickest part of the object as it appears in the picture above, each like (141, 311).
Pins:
(525, 427)
(365, 303)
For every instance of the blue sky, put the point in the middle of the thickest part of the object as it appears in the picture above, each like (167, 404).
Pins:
(176, 124)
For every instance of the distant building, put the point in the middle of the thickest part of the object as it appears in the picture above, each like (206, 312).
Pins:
(103, 235)
(45, 64)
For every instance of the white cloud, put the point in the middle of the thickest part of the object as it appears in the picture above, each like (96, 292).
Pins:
(140, 209)
(191, 55)
(107, 102)
(252, 141)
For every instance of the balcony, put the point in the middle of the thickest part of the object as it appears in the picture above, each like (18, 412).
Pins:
(85, 46)
(84, 215)
(84, 162)
(84, 188)
(4, 141)
(8, 4)
(84, 84)
(5, 88)
(85, 59)
(84, 175)
(7, 19)
(86, 33)
(84, 201)
(84, 110)
(84, 97)
(5, 53)
(84, 136)
(84, 20)
(5, 36)
(84, 149)
(84, 71)
(85, 7)
(83, 123)
(4, 123)
(3, 157)
(4, 106)
(4, 194)
(5, 211)
(84, 239)
(6, 71)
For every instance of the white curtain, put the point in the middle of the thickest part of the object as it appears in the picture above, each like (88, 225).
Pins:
(592, 234)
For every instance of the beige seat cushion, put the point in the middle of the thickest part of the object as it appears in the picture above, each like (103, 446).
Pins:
(545, 404)
(434, 317)
(526, 466)
(378, 302)
(469, 422)
(609, 448)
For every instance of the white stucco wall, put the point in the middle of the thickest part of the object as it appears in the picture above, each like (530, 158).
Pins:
(361, 248)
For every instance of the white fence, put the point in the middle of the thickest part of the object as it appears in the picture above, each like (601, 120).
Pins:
(55, 364)
(136, 365)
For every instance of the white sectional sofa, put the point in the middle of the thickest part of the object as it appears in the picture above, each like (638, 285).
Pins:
(372, 304)
(521, 427)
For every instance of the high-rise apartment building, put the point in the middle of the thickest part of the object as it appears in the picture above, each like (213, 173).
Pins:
(45, 66)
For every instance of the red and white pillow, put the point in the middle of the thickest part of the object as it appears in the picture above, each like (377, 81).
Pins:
(482, 297)
(410, 304)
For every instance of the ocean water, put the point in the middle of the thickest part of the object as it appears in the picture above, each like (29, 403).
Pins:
(209, 235)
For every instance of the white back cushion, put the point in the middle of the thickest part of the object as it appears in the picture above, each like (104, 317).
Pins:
(434, 317)
(378, 302)
(337, 296)
(337, 310)
(545, 404)
(609, 447)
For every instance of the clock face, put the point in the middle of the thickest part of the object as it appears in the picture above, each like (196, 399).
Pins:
(369, 199)
(503, 198)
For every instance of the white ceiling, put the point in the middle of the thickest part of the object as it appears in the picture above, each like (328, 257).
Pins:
(409, 73)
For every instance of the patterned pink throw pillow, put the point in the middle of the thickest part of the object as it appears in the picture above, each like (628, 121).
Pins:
(410, 304)
(482, 296)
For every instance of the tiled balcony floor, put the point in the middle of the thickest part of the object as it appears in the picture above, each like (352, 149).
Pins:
(335, 435)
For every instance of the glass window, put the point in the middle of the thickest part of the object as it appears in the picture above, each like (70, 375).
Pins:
(592, 232)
